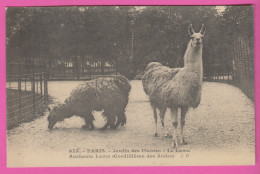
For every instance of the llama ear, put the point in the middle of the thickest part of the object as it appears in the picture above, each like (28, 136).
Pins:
(203, 30)
(190, 30)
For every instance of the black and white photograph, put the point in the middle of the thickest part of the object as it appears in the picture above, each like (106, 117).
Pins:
(130, 86)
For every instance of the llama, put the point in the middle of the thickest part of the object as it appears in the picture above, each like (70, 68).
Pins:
(109, 94)
(177, 87)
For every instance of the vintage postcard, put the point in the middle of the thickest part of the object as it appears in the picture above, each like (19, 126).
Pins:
(130, 86)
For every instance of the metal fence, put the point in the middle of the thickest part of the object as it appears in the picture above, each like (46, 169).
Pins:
(26, 91)
(243, 64)
(239, 70)
(217, 72)
(79, 70)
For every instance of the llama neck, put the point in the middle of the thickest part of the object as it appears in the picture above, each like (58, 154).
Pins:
(193, 54)
(193, 58)
(64, 112)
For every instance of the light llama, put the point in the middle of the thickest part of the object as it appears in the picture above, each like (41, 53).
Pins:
(176, 88)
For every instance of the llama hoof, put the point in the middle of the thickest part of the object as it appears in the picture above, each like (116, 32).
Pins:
(167, 135)
(156, 135)
(113, 127)
(184, 142)
(85, 127)
(174, 145)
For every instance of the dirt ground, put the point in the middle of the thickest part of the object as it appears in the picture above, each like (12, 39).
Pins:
(219, 132)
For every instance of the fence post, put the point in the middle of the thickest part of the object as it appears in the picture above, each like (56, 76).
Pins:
(33, 88)
(20, 90)
(45, 85)
(41, 83)
(25, 83)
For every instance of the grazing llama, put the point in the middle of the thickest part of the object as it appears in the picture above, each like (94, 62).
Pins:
(109, 94)
(176, 87)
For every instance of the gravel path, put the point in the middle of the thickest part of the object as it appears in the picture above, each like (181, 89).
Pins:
(219, 132)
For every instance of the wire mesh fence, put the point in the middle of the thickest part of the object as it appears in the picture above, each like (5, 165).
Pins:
(243, 64)
(26, 91)
(239, 70)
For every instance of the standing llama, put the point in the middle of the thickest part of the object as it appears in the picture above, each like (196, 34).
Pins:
(176, 87)
(109, 94)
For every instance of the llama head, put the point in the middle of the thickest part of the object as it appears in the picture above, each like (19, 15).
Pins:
(196, 38)
(52, 118)
(152, 65)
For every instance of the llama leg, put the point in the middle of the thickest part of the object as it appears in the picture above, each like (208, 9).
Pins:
(89, 122)
(91, 118)
(174, 118)
(112, 122)
(162, 115)
(118, 121)
(121, 119)
(184, 111)
(86, 126)
(107, 123)
(91, 125)
(155, 121)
